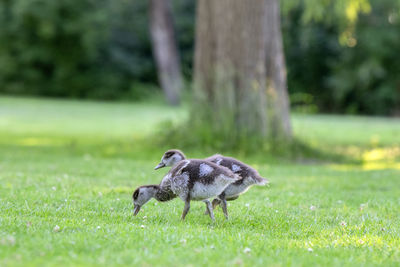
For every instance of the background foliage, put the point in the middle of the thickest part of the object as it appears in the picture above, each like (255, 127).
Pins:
(341, 61)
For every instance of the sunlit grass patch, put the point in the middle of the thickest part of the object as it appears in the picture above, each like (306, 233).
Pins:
(374, 159)
(346, 238)
(31, 141)
(368, 166)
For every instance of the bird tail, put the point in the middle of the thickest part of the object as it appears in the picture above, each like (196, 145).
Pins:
(261, 180)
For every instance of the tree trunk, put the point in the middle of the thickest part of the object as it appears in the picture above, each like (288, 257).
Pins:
(276, 72)
(239, 83)
(165, 49)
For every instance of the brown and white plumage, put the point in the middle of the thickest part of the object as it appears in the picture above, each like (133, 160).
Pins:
(190, 179)
(248, 175)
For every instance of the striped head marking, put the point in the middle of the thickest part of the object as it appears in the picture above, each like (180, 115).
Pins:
(170, 158)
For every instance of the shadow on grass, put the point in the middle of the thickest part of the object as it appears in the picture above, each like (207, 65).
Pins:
(153, 146)
(257, 149)
(167, 136)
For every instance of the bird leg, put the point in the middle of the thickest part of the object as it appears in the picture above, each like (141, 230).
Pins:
(185, 209)
(215, 203)
(210, 209)
(223, 205)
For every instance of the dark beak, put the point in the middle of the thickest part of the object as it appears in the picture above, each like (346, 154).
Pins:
(160, 165)
(136, 209)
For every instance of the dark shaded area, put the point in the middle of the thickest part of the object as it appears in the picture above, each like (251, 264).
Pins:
(357, 77)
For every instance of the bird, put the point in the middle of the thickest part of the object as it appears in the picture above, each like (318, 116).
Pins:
(248, 176)
(189, 179)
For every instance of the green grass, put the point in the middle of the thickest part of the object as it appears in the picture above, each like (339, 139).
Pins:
(75, 165)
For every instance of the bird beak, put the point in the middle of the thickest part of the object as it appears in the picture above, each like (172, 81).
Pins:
(160, 165)
(136, 209)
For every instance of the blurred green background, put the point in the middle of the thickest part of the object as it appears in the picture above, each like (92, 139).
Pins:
(337, 61)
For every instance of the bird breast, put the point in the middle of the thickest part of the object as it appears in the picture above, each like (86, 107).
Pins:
(202, 191)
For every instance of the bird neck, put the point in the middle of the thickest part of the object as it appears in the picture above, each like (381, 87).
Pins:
(164, 194)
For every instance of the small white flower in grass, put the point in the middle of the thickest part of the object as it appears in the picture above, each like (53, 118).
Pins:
(212, 246)
(100, 194)
(54, 188)
(247, 205)
(56, 228)
(247, 250)
(111, 209)
(343, 223)
(98, 227)
(84, 220)
(276, 211)
(310, 249)
(28, 224)
(183, 241)
(117, 199)
(361, 241)
(144, 217)
(143, 226)
(66, 200)
(313, 207)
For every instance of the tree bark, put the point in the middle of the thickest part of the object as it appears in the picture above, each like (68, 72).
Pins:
(240, 77)
(276, 71)
(165, 49)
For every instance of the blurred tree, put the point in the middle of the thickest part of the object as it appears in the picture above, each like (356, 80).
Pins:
(342, 54)
(373, 87)
(240, 77)
(75, 48)
(165, 49)
(276, 71)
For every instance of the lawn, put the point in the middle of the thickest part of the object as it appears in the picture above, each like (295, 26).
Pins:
(68, 170)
